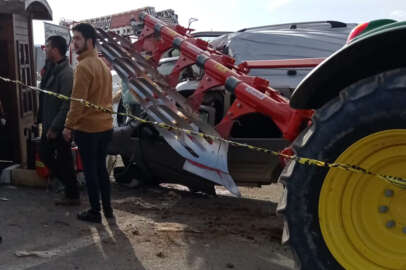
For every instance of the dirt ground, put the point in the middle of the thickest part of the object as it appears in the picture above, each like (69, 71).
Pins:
(156, 228)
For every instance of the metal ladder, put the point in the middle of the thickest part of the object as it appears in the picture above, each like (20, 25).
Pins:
(204, 157)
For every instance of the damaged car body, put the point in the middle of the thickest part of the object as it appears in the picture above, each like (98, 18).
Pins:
(149, 157)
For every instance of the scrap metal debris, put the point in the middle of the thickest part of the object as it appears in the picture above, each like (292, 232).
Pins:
(174, 227)
(40, 254)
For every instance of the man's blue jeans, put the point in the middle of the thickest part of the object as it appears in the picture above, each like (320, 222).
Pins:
(93, 151)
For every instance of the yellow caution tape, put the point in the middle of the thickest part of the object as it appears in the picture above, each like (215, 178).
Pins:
(39, 164)
(398, 181)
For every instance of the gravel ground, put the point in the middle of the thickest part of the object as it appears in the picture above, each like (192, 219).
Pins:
(163, 227)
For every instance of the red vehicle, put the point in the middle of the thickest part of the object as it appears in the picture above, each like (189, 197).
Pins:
(349, 109)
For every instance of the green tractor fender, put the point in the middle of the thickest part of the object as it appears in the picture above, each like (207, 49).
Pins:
(370, 53)
(334, 219)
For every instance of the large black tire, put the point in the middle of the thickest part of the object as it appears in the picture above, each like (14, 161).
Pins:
(371, 105)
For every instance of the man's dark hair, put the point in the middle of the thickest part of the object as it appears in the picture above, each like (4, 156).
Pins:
(87, 31)
(59, 43)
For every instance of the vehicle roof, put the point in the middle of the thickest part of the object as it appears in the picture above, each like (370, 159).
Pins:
(296, 25)
(284, 41)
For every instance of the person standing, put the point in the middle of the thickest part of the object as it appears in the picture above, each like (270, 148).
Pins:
(92, 129)
(54, 151)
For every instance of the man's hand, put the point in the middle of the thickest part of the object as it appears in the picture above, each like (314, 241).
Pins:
(67, 134)
(51, 135)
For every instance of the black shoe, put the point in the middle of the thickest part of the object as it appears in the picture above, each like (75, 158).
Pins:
(108, 213)
(89, 216)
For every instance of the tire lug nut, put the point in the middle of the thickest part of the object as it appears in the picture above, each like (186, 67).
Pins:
(389, 193)
(383, 209)
(390, 224)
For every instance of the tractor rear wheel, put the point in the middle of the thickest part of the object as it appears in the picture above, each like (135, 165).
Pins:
(336, 219)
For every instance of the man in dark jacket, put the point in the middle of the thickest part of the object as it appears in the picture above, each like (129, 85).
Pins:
(55, 152)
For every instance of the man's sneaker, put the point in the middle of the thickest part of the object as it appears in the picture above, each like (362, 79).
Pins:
(67, 202)
(89, 216)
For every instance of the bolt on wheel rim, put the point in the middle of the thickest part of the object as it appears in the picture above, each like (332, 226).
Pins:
(363, 218)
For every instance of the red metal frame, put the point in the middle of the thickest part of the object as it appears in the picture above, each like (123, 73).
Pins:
(253, 94)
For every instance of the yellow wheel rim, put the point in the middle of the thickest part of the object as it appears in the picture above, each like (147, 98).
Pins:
(363, 218)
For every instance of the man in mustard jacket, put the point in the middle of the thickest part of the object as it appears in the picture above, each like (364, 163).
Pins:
(92, 129)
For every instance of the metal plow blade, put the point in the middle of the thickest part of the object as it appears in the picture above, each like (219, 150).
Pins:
(204, 157)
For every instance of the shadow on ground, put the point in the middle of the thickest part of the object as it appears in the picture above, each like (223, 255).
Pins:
(156, 228)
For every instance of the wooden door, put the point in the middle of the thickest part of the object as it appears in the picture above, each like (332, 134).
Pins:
(23, 52)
